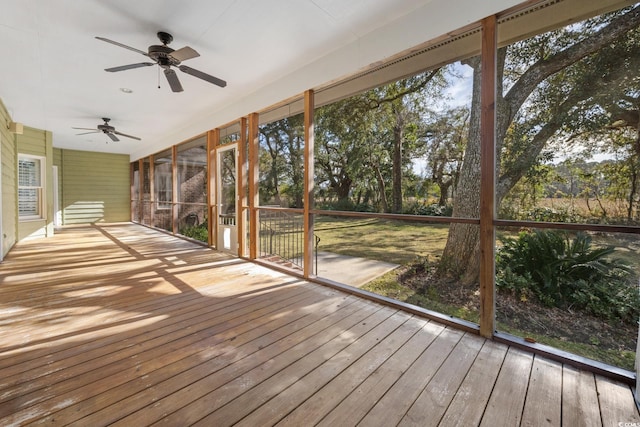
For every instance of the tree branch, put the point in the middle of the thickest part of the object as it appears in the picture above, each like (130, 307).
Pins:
(554, 63)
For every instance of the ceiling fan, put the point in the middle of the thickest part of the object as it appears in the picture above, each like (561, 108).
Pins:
(107, 129)
(166, 57)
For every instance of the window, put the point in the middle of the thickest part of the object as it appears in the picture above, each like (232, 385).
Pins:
(30, 187)
(163, 180)
(164, 190)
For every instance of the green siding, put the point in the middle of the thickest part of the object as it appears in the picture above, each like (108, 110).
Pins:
(94, 187)
(9, 161)
(33, 141)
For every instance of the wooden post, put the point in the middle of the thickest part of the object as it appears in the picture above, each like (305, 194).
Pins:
(487, 173)
(212, 138)
(132, 191)
(152, 191)
(175, 205)
(141, 191)
(309, 238)
(253, 185)
(242, 189)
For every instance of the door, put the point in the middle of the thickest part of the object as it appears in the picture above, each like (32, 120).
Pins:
(227, 199)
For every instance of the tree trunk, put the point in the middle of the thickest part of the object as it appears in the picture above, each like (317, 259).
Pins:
(461, 254)
(462, 251)
(381, 189)
(398, 135)
(444, 191)
(342, 188)
(633, 191)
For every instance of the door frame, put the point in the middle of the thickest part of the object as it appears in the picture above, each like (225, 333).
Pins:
(227, 227)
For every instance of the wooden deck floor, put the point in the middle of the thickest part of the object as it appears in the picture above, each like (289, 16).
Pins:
(122, 325)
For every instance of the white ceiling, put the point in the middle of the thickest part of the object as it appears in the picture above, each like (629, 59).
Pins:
(52, 69)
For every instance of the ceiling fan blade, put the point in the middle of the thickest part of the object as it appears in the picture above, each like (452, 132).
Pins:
(123, 45)
(93, 129)
(203, 76)
(87, 133)
(172, 78)
(112, 136)
(184, 54)
(125, 135)
(129, 67)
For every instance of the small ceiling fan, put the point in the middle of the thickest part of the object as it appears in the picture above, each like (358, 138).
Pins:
(107, 129)
(166, 57)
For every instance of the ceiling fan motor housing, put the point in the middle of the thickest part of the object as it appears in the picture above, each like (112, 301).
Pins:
(162, 54)
(106, 128)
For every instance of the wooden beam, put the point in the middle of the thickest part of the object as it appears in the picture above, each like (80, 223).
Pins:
(487, 173)
(132, 192)
(152, 192)
(211, 195)
(309, 238)
(253, 185)
(242, 188)
(175, 206)
(141, 190)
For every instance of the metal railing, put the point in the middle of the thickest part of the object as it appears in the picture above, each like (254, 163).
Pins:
(282, 238)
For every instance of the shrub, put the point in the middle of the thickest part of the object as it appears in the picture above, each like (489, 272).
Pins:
(429, 210)
(364, 207)
(565, 272)
(553, 215)
(342, 205)
(197, 232)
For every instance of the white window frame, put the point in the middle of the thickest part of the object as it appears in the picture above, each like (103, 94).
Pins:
(40, 190)
(163, 186)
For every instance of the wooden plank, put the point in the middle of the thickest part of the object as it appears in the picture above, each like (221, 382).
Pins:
(487, 176)
(507, 399)
(86, 325)
(230, 401)
(242, 188)
(330, 395)
(152, 190)
(309, 161)
(616, 403)
(118, 337)
(254, 176)
(233, 360)
(105, 370)
(471, 399)
(175, 207)
(247, 337)
(579, 398)
(179, 391)
(390, 409)
(140, 190)
(31, 356)
(432, 403)
(359, 402)
(543, 405)
(352, 365)
(212, 141)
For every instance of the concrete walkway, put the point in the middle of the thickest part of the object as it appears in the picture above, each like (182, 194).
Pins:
(352, 271)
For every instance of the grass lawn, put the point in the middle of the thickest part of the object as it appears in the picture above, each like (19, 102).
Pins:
(398, 242)
(404, 242)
